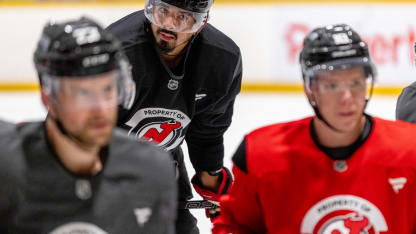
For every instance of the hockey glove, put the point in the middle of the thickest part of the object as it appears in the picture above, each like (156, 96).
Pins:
(225, 180)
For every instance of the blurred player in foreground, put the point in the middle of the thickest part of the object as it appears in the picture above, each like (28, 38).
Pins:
(75, 173)
(340, 171)
(5, 125)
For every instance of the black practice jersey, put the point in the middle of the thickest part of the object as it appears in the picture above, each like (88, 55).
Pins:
(406, 104)
(193, 101)
(5, 126)
(134, 192)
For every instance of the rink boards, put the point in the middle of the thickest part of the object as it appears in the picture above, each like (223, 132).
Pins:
(269, 33)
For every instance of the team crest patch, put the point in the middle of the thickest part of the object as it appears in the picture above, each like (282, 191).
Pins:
(344, 214)
(173, 84)
(78, 228)
(163, 127)
(83, 189)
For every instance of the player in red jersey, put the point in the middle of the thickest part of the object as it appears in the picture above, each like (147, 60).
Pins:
(340, 171)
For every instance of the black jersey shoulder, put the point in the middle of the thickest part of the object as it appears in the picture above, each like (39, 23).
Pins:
(216, 63)
(214, 38)
(13, 147)
(12, 161)
(240, 156)
(8, 177)
(11, 139)
(406, 104)
(6, 126)
(131, 29)
(129, 156)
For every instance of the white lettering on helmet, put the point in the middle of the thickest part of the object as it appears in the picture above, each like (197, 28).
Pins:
(95, 60)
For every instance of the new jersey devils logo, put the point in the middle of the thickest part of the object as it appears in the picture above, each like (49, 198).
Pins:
(349, 224)
(343, 214)
(164, 127)
(160, 132)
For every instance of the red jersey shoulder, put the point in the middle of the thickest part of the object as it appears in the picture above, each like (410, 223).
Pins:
(392, 142)
(397, 133)
(267, 147)
(279, 130)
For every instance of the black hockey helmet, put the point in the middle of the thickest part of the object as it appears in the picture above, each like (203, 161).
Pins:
(198, 9)
(197, 6)
(81, 48)
(334, 47)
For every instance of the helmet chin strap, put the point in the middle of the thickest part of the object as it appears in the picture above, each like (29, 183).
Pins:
(64, 132)
(320, 117)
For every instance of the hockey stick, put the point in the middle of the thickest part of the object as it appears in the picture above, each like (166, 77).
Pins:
(196, 204)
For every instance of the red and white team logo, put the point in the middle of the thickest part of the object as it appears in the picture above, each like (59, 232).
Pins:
(344, 214)
(78, 228)
(160, 133)
(164, 127)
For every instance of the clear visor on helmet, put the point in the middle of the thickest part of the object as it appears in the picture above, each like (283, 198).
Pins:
(172, 18)
(90, 92)
(353, 74)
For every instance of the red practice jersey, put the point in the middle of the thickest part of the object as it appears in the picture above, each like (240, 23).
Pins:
(288, 185)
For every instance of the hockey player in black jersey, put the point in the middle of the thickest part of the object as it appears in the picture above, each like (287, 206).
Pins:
(5, 125)
(74, 172)
(406, 103)
(188, 74)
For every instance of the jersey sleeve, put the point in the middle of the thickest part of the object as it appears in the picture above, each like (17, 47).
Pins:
(240, 209)
(8, 179)
(164, 216)
(167, 208)
(205, 135)
(406, 104)
(7, 201)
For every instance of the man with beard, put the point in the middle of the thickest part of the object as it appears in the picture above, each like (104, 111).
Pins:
(74, 172)
(339, 171)
(188, 74)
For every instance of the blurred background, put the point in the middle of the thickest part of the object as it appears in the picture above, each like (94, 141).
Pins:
(269, 33)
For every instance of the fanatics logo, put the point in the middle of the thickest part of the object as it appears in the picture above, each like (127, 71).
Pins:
(397, 183)
(199, 96)
(142, 215)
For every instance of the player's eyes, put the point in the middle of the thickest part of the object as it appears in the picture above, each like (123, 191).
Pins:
(331, 86)
(163, 10)
(183, 17)
(109, 91)
(83, 93)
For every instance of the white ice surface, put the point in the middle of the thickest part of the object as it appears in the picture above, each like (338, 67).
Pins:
(251, 111)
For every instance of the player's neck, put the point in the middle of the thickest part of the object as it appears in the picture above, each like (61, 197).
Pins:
(174, 57)
(78, 160)
(172, 61)
(330, 138)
